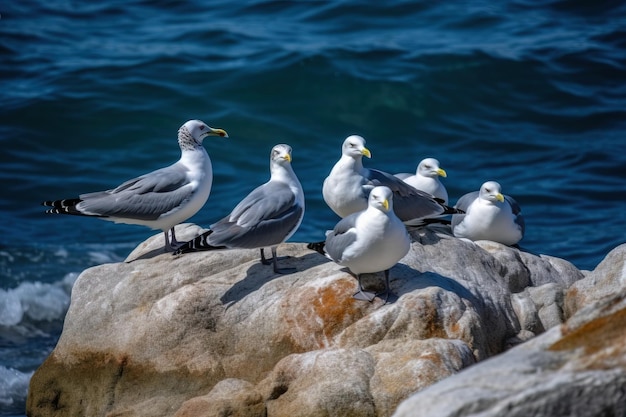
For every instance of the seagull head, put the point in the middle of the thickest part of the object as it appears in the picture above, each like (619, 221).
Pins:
(200, 130)
(354, 147)
(491, 191)
(429, 167)
(281, 154)
(381, 198)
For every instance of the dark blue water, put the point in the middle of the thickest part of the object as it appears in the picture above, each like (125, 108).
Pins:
(529, 93)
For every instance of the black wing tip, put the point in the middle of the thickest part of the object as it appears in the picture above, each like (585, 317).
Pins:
(66, 202)
(317, 247)
(190, 247)
(65, 206)
(197, 244)
(55, 211)
(186, 248)
(452, 210)
(427, 222)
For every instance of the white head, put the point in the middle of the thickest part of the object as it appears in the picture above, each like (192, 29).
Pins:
(429, 167)
(193, 132)
(491, 191)
(354, 147)
(281, 154)
(381, 198)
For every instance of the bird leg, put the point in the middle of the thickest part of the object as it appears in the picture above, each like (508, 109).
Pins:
(171, 245)
(274, 262)
(386, 292)
(263, 260)
(363, 295)
(168, 247)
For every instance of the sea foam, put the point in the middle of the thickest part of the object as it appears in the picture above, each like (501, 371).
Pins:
(35, 301)
(13, 385)
(20, 309)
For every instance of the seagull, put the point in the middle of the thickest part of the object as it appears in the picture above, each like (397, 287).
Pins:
(160, 199)
(368, 241)
(489, 215)
(426, 178)
(266, 217)
(348, 185)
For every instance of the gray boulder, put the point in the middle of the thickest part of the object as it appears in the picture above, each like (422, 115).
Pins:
(217, 333)
(575, 369)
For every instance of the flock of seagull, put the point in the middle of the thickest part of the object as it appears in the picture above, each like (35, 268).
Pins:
(375, 207)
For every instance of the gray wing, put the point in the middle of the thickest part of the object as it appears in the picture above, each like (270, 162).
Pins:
(515, 208)
(403, 175)
(466, 200)
(517, 211)
(341, 237)
(463, 204)
(409, 203)
(264, 218)
(144, 198)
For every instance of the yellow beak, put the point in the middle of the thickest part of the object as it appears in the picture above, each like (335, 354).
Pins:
(288, 157)
(500, 197)
(386, 204)
(217, 132)
(366, 152)
(441, 172)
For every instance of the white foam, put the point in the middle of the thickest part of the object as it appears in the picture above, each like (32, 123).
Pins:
(7, 255)
(13, 385)
(61, 253)
(11, 311)
(102, 257)
(35, 301)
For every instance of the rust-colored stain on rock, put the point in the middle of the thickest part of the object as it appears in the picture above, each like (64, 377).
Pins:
(335, 306)
(433, 323)
(595, 335)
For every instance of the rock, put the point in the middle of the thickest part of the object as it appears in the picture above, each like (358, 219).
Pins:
(403, 367)
(218, 333)
(575, 369)
(321, 383)
(229, 397)
(608, 279)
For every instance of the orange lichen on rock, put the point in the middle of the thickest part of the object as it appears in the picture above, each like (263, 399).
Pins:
(593, 337)
(335, 306)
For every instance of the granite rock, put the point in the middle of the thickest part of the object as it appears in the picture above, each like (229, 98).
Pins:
(577, 368)
(218, 333)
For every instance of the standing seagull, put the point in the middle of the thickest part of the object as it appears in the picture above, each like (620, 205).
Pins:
(348, 185)
(489, 215)
(426, 178)
(267, 217)
(368, 241)
(161, 199)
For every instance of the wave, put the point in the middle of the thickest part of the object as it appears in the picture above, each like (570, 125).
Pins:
(32, 311)
(35, 301)
(13, 387)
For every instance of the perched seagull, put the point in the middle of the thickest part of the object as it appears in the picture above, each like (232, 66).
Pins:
(348, 185)
(426, 178)
(368, 241)
(161, 199)
(267, 217)
(489, 215)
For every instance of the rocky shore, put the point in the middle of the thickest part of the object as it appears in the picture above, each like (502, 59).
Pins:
(218, 333)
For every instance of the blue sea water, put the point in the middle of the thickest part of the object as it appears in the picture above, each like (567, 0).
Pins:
(529, 93)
